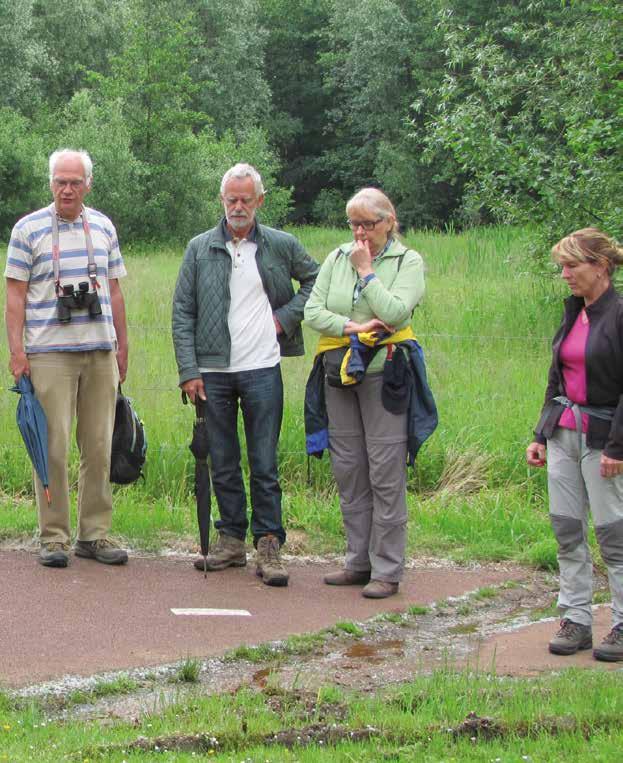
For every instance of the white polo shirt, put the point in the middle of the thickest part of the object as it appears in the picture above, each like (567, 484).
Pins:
(252, 330)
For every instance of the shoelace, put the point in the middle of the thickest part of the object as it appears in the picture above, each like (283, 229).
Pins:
(56, 547)
(568, 628)
(105, 543)
(615, 635)
(272, 552)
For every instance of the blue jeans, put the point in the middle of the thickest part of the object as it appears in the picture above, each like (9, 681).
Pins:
(260, 394)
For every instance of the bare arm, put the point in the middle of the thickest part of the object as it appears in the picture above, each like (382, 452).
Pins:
(117, 306)
(15, 317)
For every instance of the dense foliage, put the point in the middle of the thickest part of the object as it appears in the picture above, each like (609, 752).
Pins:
(463, 110)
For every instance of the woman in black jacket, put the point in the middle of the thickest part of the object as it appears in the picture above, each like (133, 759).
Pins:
(580, 435)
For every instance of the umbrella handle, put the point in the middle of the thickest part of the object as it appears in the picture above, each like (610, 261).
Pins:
(199, 408)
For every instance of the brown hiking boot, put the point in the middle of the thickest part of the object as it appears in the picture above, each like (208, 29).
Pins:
(102, 550)
(269, 565)
(54, 555)
(611, 648)
(571, 637)
(379, 589)
(347, 577)
(226, 552)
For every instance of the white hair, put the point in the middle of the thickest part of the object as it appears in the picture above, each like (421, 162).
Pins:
(241, 171)
(85, 160)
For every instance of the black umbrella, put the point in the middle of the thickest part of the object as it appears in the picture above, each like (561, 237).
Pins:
(203, 492)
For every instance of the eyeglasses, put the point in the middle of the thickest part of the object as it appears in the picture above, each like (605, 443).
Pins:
(365, 224)
(62, 183)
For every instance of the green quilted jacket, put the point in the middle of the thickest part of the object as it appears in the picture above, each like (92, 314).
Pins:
(202, 297)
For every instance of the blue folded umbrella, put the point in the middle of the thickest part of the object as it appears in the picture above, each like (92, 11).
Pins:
(33, 426)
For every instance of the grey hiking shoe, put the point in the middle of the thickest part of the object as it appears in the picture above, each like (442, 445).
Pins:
(227, 552)
(379, 589)
(54, 555)
(611, 648)
(571, 637)
(102, 550)
(269, 565)
(347, 577)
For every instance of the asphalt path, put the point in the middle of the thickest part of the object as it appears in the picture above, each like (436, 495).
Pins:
(90, 618)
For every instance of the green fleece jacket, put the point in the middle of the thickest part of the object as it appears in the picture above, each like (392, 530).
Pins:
(202, 298)
(391, 296)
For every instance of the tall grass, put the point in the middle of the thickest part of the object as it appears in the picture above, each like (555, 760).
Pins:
(485, 324)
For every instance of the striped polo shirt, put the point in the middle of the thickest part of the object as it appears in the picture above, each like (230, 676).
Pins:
(29, 258)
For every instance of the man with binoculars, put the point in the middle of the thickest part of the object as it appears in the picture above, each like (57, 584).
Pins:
(73, 344)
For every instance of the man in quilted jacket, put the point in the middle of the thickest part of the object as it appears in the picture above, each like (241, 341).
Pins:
(235, 313)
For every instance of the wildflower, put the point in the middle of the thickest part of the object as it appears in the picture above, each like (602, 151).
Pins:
(6, 727)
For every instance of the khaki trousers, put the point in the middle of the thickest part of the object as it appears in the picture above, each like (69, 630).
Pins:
(84, 385)
(368, 447)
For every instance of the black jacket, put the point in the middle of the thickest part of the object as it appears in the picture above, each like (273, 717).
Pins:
(604, 372)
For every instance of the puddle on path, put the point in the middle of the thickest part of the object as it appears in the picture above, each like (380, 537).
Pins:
(261, 677)
(377, 651)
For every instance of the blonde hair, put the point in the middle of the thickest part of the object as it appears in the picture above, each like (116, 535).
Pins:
(376, 202)
(589, 245)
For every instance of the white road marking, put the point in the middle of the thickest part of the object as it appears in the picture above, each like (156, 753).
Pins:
(211, 612)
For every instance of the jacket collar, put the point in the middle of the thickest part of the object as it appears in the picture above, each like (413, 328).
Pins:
(573, 304)
(222, 234)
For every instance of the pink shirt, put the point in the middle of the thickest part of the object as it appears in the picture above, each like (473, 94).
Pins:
(573, 362)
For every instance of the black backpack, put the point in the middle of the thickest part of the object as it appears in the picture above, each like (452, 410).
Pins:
(129, 443)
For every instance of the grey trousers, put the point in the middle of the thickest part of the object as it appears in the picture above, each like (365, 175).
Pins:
(368, 447)
(575, 485)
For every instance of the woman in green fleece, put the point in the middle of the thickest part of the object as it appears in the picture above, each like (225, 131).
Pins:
(370, 284)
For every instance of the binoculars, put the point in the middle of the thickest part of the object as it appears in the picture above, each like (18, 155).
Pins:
(82, 299)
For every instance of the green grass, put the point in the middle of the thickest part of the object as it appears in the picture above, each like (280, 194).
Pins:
(188, 672)
(485, 326)
(448, 716)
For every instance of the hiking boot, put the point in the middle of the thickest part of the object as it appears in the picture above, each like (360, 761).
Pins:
(611, 648)
(269, 565)
(379, 589)
(102, 550)
(347, 577)
(54, 555)
(571, 637)
(227, 552)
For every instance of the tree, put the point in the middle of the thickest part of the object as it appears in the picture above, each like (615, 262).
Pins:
(23, 171)
(296, 122)
(19, 52)
(228, 66)
(77, 38)
(531, 111)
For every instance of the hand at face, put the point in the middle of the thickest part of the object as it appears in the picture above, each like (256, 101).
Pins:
(194, 388)
(536, 454)
(610, 467)
(361, 257)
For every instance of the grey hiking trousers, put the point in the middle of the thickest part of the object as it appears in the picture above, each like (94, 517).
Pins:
(368, 448)
(575, 485)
